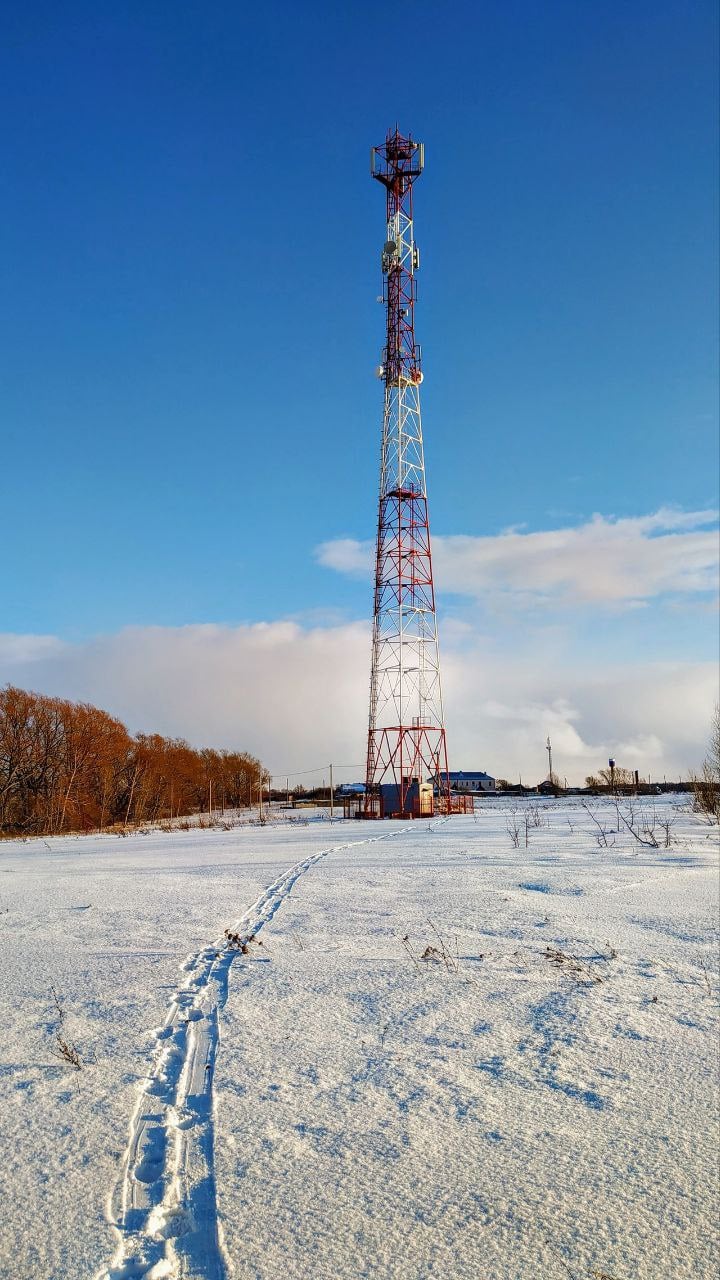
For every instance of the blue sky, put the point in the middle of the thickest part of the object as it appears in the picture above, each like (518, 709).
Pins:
(190, 262)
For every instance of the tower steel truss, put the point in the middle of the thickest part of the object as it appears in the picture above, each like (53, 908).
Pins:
(406, 737)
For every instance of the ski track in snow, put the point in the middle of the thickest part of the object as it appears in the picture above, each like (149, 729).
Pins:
(164, 1206)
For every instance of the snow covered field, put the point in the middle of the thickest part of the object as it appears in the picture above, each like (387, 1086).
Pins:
(538, 1098)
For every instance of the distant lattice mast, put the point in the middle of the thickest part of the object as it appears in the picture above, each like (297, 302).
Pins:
(406, 738)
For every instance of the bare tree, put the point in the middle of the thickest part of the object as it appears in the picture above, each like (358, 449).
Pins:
(622, 780)
(512, 826)
(706, 784)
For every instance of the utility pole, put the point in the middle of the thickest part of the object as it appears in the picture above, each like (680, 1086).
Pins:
(261, 797)
(332, 795)
(210, 802)
(287, 791)
(406, 730)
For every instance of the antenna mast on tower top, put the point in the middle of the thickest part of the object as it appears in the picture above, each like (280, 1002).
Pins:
(406, 736)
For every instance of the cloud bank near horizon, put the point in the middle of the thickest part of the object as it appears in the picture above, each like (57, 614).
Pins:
(297, 697)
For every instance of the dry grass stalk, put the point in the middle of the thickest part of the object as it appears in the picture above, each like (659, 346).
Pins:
(434, 953)
(240, 942)
(578, 968)
(67, 1052)
(64, 1049)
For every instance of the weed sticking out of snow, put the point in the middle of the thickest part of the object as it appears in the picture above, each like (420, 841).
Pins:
(437, 952)
(63, 1049)
(236, 942)
(577, 967)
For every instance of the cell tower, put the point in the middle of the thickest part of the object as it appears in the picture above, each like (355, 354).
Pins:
(406, 738)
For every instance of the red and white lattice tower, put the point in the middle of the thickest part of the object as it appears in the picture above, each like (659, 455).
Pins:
(406, 738)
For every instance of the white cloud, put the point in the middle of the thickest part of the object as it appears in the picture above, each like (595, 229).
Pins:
(347, 555)
(605, 561)
(276, 689)
(297, 697)
(28, 648)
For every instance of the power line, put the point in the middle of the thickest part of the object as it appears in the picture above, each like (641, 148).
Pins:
(304, 773)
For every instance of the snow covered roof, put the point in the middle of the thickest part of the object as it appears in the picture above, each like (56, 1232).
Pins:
(459, 775)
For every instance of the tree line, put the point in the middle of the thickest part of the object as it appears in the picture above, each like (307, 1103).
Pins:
(68, 766)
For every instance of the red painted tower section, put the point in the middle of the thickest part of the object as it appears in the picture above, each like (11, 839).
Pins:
(406, 735)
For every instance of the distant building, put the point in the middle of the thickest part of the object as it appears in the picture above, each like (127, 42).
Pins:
(548, 787)
(475, 782)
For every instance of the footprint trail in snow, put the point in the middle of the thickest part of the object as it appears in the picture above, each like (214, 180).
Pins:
(165, 1206)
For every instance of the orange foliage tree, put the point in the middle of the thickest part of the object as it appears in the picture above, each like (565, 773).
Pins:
(68, 766)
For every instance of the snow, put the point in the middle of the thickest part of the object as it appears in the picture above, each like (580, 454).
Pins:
(537, 1098)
